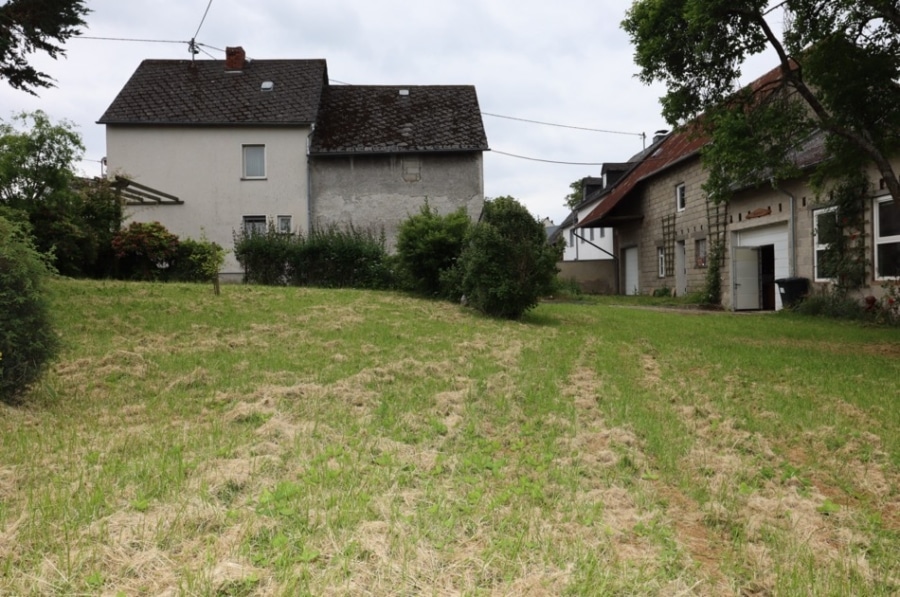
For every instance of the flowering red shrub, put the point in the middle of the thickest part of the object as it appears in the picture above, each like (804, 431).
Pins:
(145, 247)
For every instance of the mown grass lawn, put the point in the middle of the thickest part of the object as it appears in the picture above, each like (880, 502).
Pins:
(283, 441)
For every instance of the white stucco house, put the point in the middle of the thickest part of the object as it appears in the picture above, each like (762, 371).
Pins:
(214, 146)
(588, 257)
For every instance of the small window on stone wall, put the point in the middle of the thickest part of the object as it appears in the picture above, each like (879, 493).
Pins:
(700, 252)
(412, 169)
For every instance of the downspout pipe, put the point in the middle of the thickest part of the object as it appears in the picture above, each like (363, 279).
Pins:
(309, 210)
(792, 231)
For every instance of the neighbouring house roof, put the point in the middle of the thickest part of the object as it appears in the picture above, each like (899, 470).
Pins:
(671, 150)
(683, 144)
(204, 93)
(358, 119)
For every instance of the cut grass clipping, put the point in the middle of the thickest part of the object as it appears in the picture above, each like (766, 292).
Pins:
(284, 441)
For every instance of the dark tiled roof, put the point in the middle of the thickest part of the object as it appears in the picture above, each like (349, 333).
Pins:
(683, 144)
(202, 92)
(667, 152)
(381, 119)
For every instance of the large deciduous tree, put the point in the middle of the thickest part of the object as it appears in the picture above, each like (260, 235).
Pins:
(72, 219)
(837, 76)
(29, 26)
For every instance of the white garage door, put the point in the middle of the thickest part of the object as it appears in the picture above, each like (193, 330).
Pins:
(631, 271)
(777, 236)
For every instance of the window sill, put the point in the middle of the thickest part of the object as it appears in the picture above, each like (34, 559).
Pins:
(249, 178)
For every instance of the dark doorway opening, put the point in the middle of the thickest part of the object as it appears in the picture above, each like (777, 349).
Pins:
(767, 277)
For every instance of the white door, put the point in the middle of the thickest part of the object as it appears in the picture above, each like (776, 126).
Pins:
(775, 235)
(680, 269)
(631, 271)
(745, 266)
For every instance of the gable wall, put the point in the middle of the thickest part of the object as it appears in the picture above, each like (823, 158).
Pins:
(762, 212)
(656, 200)
(381, 191)
(203, 167)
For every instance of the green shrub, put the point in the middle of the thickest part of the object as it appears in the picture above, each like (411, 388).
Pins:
(144, 250)
(196, 261)
(831, 303)
(27, 338)
(506, 264)
(339, 257)
(263, 255)
(428, 244)
(329, 257)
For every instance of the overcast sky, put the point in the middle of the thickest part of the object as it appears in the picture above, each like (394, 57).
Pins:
(564, 62)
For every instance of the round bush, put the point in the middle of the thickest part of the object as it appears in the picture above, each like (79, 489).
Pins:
(507, 263)
(428, 244)
(27, 338)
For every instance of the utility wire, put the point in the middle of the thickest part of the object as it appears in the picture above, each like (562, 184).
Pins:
(565, 126)
(205, 12)
(152, 41)
(210, 47)
(522, 157)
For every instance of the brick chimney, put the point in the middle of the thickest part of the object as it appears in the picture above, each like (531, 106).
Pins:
(234, 58)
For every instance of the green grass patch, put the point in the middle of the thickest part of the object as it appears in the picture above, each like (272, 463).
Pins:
(306, 441)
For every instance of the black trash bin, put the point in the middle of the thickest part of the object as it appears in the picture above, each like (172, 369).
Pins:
(792, 290)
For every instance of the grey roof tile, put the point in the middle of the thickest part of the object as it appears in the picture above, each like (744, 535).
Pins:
(379, 119)
(202, 92)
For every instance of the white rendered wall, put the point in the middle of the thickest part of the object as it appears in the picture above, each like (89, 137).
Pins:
(583, 250)
(203, 166)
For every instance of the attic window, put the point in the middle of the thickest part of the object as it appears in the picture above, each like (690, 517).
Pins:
(404, 92)
(267, 86)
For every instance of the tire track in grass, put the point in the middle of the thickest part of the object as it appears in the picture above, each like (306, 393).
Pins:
(613, 464)
(762, 506)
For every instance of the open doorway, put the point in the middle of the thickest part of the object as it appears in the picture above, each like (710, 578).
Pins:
(754, 278)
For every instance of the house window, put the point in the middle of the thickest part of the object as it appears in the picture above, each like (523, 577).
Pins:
(680, 200)
(412, 169)
(887, 238)
(592, 233)
(254, 161)
(284, 224)
(603, 233)
(255, 225)
(825, 231)
(661, 261)
(700, 252)
(571, 237)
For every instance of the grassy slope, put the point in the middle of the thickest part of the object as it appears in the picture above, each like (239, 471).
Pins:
(289, 441)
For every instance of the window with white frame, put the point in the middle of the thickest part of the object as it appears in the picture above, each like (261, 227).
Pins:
(700, 253)
(571, 237)
(254, 158)
(255, 225)
(825, 229)
(887, 238)
(284, 224)
(680, 197)
(661, 261)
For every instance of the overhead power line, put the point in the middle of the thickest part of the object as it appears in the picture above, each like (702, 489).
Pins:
(522, 157)
(205, 12)
(148, 41)
(565, 126)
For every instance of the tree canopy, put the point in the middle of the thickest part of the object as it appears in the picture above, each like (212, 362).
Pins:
(71, 218)
(29, 26)
(837, 75)
(577, 194)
